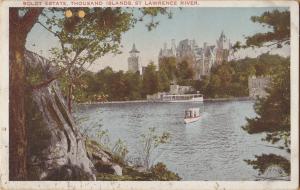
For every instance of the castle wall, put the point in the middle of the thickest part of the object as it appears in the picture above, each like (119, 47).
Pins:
(257, 86)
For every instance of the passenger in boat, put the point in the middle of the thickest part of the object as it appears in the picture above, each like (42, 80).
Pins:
(188, 114)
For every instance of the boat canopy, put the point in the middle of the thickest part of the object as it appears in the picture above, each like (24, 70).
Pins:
(183, 95)
(192, 112)
(180, 96)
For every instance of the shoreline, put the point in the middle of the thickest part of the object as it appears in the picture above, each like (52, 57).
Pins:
(228, 99)
(147, 101)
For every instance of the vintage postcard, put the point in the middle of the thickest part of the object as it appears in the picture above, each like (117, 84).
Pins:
(149, 94)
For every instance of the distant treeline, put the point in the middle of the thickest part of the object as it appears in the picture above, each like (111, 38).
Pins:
(229, 79)
(108, 85)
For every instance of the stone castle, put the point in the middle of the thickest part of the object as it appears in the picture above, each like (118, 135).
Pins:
(202, 58)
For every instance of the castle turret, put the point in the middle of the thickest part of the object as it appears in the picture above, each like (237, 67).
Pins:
(134, 64)
(134, 52)
(223, 49)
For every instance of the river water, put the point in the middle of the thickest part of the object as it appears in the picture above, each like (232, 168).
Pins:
(213, 148)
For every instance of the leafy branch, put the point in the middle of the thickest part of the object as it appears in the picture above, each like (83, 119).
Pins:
(278, 24)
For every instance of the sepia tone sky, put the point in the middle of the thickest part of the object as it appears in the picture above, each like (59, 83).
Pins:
(200, 24)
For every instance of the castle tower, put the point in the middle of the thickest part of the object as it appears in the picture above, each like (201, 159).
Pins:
(223, 49)
(134, 60)
(221, 41)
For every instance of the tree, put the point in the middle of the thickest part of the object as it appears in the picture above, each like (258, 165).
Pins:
(103, 78)
(117, 86)
(133, 85)
(164, 82)
(214, 85)
(185, 71)
(168, 66)
(20, 26)
(273, 119)
(86, 35)
(150, 142)
(21, 21)
(150, 80)
(84, 86)
(274, 110)
(225, 73)
(278, 22)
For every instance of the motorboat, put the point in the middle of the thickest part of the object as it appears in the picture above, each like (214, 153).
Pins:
(191, 115)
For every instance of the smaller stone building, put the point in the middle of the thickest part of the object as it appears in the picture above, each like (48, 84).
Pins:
(257, 86)
(176, 89)
(134, 64)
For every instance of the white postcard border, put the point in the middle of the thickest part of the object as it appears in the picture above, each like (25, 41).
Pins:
(195, 185)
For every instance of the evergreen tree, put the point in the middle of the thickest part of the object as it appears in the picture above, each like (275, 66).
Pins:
(273, 112)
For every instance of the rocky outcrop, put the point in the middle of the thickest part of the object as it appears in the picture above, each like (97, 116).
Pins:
(102, 159)
(56, 148)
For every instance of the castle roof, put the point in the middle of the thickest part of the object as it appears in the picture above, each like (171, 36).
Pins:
(134, 50)
(222, 36)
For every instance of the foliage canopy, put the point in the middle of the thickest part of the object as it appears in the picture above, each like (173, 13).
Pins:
(278, 24)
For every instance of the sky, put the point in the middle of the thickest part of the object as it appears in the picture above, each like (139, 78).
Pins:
(200, 24)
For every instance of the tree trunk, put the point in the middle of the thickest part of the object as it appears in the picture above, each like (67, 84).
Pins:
(69, 99)
(17, 129)
(19, 27)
